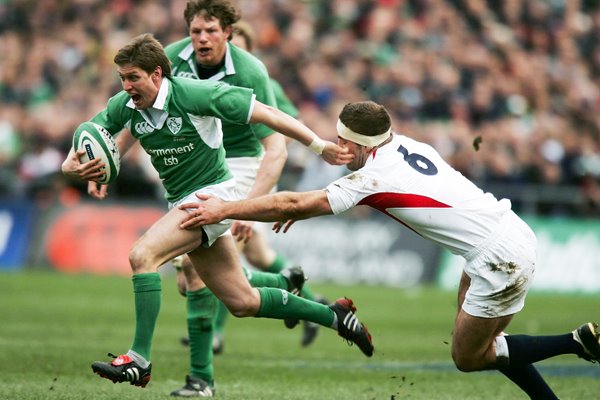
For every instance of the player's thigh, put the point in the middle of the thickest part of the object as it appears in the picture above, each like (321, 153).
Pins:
(165, 240)
(220, 269)
(258, 252)
(463, 286)
(240, 245)
(473, 340)
(191, 278)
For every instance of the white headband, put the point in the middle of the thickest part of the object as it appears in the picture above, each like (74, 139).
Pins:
(369, 141)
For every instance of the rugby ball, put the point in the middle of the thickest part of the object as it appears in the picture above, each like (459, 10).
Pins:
(98, 143)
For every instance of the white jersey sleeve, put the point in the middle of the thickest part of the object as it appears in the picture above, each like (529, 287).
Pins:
(410, 182)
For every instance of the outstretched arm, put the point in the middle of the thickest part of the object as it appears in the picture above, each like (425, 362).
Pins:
(291, 127)
(280, 206)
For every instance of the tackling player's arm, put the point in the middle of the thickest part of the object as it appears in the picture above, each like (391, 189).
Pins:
(281, 206)
(289, 126)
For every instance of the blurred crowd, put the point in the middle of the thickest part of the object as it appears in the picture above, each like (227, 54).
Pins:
(508, 91)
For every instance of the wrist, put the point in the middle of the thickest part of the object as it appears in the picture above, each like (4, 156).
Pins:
(317, 145)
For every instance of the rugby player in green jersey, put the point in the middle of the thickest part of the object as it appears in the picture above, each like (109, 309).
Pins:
(255, 155)
(177, 122)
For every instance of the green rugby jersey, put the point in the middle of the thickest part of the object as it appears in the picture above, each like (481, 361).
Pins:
(283, 102)
(184, 140)
(240, 69)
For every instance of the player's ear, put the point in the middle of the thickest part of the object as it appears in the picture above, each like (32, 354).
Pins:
(157, 74)
(228, 32)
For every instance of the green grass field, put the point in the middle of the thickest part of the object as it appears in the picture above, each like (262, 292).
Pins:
(53, 326)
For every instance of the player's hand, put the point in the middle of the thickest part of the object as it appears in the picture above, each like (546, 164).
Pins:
(88, 171)
(209, 211)
(242, 230)
(336, 155)
(97, 190)
(277, 226)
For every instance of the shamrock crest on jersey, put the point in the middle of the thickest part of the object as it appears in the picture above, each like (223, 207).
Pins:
(174, 124)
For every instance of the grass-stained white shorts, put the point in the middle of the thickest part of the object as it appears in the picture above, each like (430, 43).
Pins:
(225, 190)
(501, 270)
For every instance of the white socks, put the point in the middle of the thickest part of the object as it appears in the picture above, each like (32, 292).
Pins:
(141, 361)
(501, 351)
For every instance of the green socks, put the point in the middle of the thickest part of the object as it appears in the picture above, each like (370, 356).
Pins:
(307, 293)
(221, 317)
(271, 278)
(147, 297)
(201, 310)
(280, 304)
(265, 279)
(277, 265)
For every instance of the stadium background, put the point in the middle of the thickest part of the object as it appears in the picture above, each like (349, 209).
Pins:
(522, 76)
(508, 92)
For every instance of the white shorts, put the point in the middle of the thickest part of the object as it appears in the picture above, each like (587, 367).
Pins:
(244, 170)
(225, 190)
(501, 270)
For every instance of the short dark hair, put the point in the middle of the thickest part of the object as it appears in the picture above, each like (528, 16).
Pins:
(244, 30)
(366, 117)
(146, 52)
(223, 10)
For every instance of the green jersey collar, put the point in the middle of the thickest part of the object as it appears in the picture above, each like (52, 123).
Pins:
(161, 99)
(229, 67)
(157, 114)
(163, 93)
(187, 54)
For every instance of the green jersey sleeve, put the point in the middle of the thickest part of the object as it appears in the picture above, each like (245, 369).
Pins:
(258, 79)
(250, 72)
(283, 102)
(115, 116)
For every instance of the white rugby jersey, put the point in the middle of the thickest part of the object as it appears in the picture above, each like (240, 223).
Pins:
(410, 182)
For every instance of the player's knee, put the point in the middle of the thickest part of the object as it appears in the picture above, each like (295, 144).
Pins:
(241, 310)
(186, 263)
(139, 259)
(258, 253)
(242, 307)
(464, 362)
(256, 261)
(181, 286)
